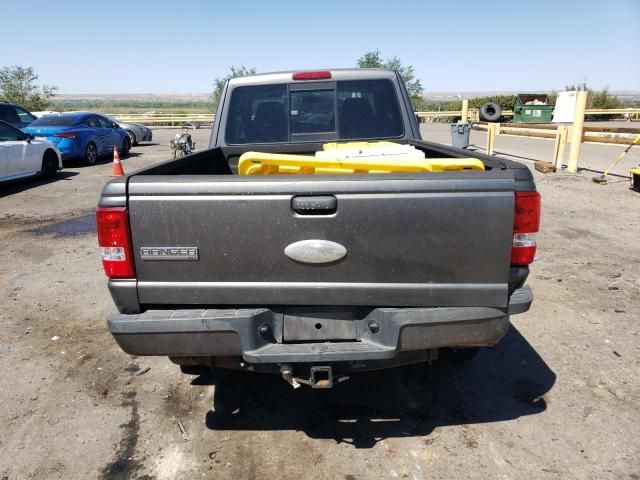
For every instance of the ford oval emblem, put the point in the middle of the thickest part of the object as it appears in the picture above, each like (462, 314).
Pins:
(315, 251)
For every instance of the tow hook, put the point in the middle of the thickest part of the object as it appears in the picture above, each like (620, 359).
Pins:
(287, 374)
(319, 377)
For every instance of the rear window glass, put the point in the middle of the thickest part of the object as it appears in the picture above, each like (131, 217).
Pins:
(343, 110)
(368, 109)
(258, 115)
(313, 111)
(55, 121)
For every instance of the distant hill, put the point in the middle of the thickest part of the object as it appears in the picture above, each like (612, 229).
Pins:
(450, 96)
(137, 97)
(135, 102)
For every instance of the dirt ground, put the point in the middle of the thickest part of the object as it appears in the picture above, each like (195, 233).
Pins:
(558, 398)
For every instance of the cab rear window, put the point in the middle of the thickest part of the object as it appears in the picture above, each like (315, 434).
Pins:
(343, 110)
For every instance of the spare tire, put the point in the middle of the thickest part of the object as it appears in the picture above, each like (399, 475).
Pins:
(490, 112)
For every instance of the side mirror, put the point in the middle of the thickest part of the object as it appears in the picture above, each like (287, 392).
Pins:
(28, 137)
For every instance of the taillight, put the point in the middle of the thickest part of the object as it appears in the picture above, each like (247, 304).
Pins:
(115, 242)
(320, 75)
(66, 134)
(526, 223)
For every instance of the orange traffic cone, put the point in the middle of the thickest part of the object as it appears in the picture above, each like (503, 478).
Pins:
(117, 165)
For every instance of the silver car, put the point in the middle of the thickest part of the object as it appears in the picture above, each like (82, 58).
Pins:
(137, 131)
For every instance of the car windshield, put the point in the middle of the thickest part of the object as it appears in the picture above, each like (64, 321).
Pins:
(340, 110)
(55, 121)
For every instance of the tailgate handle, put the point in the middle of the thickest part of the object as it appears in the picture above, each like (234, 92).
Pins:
(321, 205)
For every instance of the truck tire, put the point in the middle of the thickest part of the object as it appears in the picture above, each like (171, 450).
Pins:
(490, 112)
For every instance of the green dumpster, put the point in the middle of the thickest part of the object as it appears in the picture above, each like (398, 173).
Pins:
(532, 108)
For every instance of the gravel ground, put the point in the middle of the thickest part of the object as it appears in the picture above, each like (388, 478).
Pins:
(559, 397)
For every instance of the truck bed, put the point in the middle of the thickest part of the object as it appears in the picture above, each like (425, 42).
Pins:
(224, 160)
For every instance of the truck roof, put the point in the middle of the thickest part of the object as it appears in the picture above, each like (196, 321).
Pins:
(336, 74)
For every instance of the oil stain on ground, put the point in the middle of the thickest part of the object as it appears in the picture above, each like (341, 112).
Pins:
(69, 228)
(125, 466)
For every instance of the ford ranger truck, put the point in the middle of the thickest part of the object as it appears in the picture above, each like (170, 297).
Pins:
(393, 267)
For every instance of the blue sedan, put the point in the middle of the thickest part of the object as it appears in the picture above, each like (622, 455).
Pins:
(85, 135)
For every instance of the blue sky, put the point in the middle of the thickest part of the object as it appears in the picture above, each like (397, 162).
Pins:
(455, 45)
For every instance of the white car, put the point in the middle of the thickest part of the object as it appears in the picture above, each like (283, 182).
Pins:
(22, 155)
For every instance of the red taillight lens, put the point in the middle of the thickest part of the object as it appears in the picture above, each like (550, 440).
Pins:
(66, 135)
(320, 75)
(115, 243)
(526, 222)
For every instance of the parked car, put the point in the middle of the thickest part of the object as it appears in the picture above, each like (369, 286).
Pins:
(22, 155)
(15, 115)
(339, 273)
(137, 131)
(85, 135)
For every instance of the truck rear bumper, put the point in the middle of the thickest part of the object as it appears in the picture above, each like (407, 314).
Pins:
(259, 335)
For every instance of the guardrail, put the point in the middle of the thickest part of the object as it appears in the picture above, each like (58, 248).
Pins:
(561, 133)
(160, 119)
(617, 135)
(474, 113)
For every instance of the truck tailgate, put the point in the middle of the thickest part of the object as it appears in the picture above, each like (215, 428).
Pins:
(423, 240)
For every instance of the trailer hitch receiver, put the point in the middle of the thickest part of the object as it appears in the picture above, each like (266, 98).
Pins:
(321, 377)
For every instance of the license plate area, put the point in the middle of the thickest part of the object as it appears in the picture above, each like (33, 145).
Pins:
(304, 325)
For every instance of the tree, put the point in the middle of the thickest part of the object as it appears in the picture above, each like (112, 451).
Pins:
(374, 59)
(18, 85)
(233, 72)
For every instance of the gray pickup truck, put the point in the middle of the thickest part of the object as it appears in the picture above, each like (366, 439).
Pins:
(386, 269)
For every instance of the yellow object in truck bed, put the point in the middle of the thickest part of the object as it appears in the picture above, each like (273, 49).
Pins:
(259, 163)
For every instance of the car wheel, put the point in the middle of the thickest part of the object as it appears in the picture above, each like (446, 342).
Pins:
(91, 153)
(49, 164)
(126, 146)
(132, 138)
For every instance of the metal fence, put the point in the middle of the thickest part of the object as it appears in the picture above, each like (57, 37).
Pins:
(165, 119)
(474, 113)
